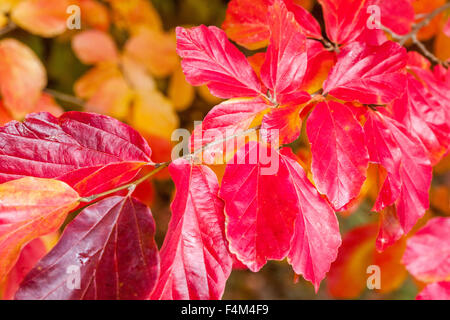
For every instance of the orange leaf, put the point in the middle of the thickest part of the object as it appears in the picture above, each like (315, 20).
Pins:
(30, 208)
(155, 50)
(94, 46)
(95, 14)
(22, 77)
(348, 274)
(5, 117)
(154, 114)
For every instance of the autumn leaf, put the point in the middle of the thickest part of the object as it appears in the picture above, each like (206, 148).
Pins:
(209, 58)
(226, 119)
(286, 59)
(48, 147)
(348, 275)
(46, 18)
(30, 208)
(29, 256)
(22, 77)
(94, 46)
(315, 224)
(435, 291)
(344, 19)
(427, 255)
(117, 259)
(339, 155)
(408, 176)
(425, 117)
(368, 74)
(260, 222)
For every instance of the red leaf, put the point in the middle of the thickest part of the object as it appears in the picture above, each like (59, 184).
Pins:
(447, 28)
(286, 59)
(316, 237)
(209, 58)
(28, 258)
(195, 262)
(368, 74)
(94, 180)
(30, 208)
(339, 155)
(344, 19)
(408, 173)
(425, 117)
(112, 244)
(435, 291)
(45, 146)
(260, 222)
(310, 26)
(427, 255)
(287, 122)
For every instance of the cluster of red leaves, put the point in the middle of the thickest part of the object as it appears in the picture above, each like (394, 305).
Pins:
(365, 100)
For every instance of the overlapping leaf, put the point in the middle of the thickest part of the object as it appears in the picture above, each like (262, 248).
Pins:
(209, 58)
(425, 117)
(345, 20)
(195, 262)
(316, 236)
(408, 174)
(109, 247)
(22, 77)
(286, 59)
(247, 23)
(339, 155)
(368, 74)
(435, 291)
(46, 146)
(224, 120)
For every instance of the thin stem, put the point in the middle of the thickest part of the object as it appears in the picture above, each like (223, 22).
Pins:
(65, 97)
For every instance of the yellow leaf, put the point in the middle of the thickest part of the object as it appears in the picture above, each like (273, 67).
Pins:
(153, 114)
(180, 92)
